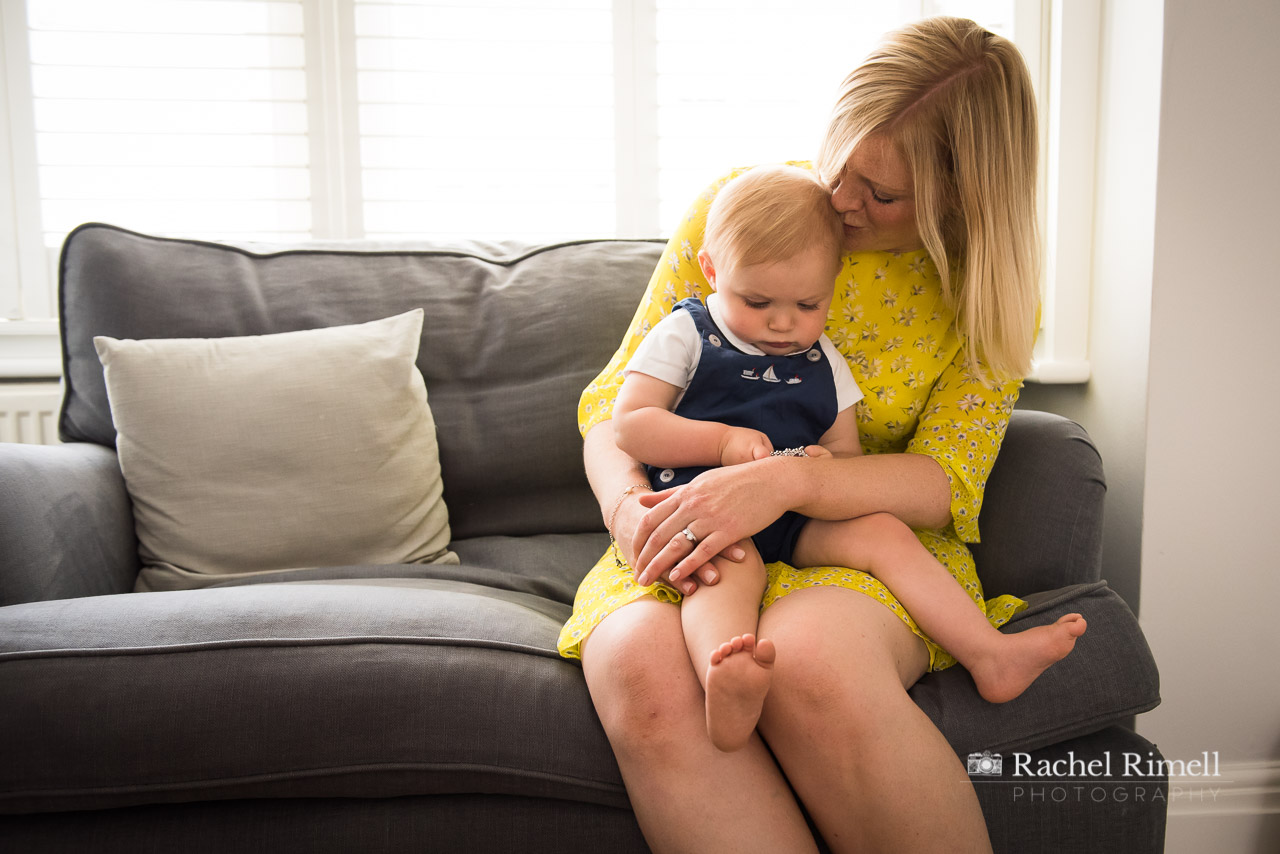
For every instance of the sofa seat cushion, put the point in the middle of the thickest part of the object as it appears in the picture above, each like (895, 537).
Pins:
(379, 687)
(547, 565)
(371, 686)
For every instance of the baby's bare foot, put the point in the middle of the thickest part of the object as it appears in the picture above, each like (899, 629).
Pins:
(737, 682)
(1021, 657)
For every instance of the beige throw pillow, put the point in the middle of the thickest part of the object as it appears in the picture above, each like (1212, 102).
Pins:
(270, 452)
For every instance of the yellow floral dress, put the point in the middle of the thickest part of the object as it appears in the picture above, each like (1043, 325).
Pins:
(922, 396)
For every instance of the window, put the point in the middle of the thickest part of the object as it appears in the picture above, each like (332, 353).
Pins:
(316, 119)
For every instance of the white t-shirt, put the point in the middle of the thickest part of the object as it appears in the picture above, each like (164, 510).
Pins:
(671, 350)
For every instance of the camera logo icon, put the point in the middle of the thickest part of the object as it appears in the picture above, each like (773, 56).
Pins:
(986, 764)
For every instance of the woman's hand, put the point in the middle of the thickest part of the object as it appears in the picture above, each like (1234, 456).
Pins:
(630, 517)
(719, 507)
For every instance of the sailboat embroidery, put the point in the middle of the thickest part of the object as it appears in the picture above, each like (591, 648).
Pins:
(750, 374)
(770, 376)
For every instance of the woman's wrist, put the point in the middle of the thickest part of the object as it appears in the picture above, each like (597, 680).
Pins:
(793, 478)
(629, 491)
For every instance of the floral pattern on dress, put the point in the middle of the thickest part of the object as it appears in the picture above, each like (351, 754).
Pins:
(890, 320)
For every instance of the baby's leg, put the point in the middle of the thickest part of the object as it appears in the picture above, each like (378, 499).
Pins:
(735, 668)
(1002, 666)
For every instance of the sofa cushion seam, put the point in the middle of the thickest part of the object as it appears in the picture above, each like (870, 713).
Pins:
(315, 773)
(259, 643)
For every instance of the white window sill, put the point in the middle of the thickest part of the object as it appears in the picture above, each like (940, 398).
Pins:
(1060, 371)
(30, 349)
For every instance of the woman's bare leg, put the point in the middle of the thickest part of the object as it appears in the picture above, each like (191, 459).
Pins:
(871, 768)
(687, 795)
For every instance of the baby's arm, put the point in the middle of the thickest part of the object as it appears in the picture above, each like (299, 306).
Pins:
(646, 429)
(842, 439)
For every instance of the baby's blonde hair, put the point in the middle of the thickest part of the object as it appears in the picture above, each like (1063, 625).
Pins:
(958, 103)
(769, 214)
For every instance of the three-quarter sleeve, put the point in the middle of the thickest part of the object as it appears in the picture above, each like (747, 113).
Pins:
(962, 426)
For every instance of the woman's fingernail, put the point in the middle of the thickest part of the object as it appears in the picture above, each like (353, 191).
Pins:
(711, 576)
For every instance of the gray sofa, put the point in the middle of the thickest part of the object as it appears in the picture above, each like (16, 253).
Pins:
(424, 707)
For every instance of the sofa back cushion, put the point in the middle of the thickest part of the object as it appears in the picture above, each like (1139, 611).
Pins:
(512, 334)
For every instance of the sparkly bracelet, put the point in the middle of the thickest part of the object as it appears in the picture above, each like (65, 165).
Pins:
(790, 452)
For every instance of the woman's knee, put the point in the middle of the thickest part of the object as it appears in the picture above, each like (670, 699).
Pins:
(638, 672)
(808, 684)
(842, 657)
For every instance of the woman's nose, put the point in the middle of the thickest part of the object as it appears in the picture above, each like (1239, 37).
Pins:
(843, 199)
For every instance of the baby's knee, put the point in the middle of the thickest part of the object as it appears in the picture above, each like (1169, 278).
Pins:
(884, 525)
(888, 532)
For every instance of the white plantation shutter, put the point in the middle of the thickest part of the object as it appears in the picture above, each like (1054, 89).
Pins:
(493, 117)
(751, 81)
(288, 119)
(171, 116)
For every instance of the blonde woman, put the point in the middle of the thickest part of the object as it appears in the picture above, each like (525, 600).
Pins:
(931, 157)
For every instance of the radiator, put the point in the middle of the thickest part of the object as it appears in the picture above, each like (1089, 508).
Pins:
(29, 413)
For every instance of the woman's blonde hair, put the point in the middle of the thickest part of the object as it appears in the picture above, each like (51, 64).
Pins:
(769, 214)
(958, 103)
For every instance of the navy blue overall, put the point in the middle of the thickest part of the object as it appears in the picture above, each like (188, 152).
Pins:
(791, 399)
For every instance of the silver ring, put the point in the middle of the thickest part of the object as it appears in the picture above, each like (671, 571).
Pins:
(688, 535)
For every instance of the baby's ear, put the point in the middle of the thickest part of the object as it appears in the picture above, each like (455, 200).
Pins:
(708, 268)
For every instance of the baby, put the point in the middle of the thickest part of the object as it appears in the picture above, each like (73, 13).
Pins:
(751, 372)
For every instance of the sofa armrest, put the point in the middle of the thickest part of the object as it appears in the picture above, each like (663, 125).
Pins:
(66, 523)
(1041, 520)
(1110, 676)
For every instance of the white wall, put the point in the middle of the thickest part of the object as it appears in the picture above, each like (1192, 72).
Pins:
(1185, 397)
(1210, 570)
(1112, 406)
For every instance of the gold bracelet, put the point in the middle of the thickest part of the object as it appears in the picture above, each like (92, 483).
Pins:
(618, 504)
(613, 543)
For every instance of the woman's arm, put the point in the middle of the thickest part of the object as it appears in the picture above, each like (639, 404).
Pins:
(724, 505)
(611, 473)
(910, 486)
(849, 484)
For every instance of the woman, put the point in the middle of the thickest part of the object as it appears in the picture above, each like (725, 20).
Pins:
(931, 156)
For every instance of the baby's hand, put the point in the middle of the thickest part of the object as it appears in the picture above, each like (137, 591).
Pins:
(817, 451)
(742, 445)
